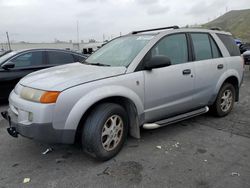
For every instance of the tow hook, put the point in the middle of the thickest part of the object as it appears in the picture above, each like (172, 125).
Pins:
(5, 115)
(11, 130)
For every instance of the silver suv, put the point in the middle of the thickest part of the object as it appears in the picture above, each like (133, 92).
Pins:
(145, 79)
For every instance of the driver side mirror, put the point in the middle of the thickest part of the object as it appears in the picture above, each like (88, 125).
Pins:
(8, 66)
(157, 62)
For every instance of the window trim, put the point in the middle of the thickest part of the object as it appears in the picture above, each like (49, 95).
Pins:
(210, 40)
(141, 65)
(23, 53)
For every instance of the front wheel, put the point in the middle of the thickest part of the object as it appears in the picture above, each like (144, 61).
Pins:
(225, 100)
(105, 131)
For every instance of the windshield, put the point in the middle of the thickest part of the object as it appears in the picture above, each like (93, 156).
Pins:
(120, 51)
(6, 56)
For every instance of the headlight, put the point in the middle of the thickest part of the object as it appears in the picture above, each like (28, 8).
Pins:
(39, 95)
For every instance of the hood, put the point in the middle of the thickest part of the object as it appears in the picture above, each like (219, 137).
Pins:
(62, 77)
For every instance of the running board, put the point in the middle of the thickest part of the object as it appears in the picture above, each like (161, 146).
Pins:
(175, 119)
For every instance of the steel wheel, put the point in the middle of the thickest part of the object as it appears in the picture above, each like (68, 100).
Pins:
(226, 100)
(112, 132)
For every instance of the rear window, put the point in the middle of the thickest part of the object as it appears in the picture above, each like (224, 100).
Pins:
(230, 44)
(79, 58)
(59, 57)
(202, 47)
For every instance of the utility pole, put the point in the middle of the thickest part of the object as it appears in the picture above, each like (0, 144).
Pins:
(103, 37)
(7, 34)
(77, 31)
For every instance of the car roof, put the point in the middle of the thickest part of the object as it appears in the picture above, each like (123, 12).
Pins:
(49, 49)
(15, 52)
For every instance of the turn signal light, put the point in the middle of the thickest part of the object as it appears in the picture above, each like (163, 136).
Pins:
(49, 97)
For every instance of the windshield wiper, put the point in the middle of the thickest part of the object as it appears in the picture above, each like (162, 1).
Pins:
(100, 64)
(97, 64)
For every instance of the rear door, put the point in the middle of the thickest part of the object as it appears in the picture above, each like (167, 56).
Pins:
(59, 58)
(168, 90)
(208, 65)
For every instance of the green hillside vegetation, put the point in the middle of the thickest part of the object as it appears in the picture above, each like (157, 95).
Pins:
(236, 22)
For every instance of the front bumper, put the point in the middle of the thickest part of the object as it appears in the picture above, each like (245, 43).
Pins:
(40, 132)
(35, 121)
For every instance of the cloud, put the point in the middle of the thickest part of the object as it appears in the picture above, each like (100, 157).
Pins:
(147, 2)
(158, 9)
(92, 1)
(209, 10)
(207, 7)
(36, 20)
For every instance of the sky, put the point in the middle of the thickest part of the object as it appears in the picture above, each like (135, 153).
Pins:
(47, 20)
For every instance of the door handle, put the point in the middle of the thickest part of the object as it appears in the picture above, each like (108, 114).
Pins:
(220, 66)
(186, 71)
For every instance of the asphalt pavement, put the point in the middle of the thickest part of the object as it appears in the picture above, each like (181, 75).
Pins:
(200, 152)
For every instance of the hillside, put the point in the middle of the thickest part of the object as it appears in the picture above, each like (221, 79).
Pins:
(236, 21)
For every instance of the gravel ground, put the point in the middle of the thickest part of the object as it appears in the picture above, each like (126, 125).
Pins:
(200, 152)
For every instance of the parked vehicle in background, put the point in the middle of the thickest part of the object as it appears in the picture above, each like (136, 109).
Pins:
(2, 53)
(16, 64)
(246, 56)
(238, 42)
(244, 47)
(146, 78)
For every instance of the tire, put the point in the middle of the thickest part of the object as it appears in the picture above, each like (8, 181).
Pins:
(105, 131)
(226, 95)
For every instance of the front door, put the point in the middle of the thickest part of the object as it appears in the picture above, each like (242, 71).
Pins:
(169, 90)
(23, 64)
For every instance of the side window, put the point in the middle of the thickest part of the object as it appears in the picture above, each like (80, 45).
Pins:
(174, 47)
(215, 50)
(79, 58)
(59, 57)
(28, 59)
(230, 44)
(202, 48)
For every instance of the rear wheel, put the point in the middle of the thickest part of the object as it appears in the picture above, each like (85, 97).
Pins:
(105, 131)
(225, 100)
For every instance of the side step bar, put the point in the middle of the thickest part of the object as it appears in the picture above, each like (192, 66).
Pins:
(175, 119)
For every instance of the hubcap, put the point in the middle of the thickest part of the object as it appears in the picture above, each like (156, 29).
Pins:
(226, 100)
(112, 132)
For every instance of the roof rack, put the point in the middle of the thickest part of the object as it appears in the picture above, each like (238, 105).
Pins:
(155, 29)
(216, 28)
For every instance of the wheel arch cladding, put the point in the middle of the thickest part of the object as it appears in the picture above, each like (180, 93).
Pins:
(230, 76)
(127, 104)
(126, 98)
(235, 82)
